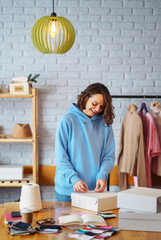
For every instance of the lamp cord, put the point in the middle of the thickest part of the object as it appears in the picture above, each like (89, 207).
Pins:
(53, 13)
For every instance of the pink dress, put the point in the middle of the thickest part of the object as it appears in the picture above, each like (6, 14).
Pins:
(156, 113)
(151, 140)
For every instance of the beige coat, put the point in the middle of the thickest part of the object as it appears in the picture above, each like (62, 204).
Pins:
(131, 158)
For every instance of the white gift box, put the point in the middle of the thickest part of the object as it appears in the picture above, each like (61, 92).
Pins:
(11, 172)
(95, 201)
(140, 198)
(139, 221)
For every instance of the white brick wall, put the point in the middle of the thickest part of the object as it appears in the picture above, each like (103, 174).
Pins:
(117, 43)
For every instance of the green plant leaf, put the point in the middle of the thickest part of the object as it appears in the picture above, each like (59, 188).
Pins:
(29, 77)
(36, 76)
(33, 79)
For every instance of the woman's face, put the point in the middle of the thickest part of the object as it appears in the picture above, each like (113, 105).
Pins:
(94, 105)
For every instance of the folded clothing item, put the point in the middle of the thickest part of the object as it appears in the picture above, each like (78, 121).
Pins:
(19, 79)
(20, 225)
(48, 228)
(14, 232)
(20, 228)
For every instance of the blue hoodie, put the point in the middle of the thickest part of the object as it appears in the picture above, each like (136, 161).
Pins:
(84, 150)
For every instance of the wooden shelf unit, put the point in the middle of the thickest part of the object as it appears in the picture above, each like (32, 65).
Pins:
(5, 138)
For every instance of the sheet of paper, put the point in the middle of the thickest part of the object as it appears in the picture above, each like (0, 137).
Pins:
(97, 231)
(107, 234)
(73, 235)
(85, 237)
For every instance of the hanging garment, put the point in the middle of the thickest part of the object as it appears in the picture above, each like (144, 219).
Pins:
(131, 159)
(156, 113)
(143, 107)
(151, 140)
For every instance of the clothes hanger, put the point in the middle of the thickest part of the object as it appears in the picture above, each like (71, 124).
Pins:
(143, 107)
(155, 104)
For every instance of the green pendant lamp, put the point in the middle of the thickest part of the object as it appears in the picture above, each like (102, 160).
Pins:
(52, 34)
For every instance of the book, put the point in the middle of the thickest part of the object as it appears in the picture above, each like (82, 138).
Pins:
(9, 218)
(85, 219)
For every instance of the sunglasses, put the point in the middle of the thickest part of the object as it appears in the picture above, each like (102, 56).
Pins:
(46, 220)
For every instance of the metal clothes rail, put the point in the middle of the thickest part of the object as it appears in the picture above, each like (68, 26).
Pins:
(136, 96)
(130, 96)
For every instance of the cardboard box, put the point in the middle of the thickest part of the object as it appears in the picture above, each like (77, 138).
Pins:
(140, 198)
(95, 201)
(139, 221)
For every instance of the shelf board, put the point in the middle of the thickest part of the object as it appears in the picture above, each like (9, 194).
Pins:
(8, 95)
(10, 138)
(28, 178)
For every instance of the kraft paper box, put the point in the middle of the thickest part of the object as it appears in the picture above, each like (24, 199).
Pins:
(139, 221)
(95, 201)
(140, 198)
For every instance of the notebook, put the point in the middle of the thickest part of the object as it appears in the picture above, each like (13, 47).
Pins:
(9, 218)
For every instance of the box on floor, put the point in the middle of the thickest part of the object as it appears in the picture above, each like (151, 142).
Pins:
(139, 220)
(140, 198)
(95, 201)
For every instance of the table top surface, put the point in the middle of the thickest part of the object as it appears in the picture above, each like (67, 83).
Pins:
(56, 209)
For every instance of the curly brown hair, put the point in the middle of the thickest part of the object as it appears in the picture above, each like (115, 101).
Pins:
(98, 88)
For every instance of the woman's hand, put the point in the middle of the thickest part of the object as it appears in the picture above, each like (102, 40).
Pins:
(100, 185)
(80, 186)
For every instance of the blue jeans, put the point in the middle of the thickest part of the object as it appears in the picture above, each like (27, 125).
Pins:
(62, 198)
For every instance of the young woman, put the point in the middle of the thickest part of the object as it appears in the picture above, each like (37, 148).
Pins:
(84, 147)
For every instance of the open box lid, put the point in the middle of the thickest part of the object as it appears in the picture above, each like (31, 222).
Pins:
(143, 191)
(133, 214)
(94, 197)
(140, 198)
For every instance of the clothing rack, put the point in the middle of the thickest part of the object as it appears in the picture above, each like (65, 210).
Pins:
(130, 96)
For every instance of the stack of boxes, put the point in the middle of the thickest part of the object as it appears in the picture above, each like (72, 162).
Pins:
(140, 209)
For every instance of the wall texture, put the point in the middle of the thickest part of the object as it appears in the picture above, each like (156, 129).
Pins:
(117, 43)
